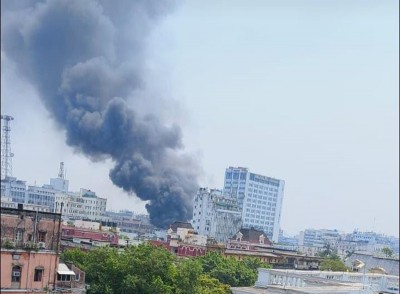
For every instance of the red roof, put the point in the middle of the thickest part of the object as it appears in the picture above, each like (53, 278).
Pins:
(101, 236)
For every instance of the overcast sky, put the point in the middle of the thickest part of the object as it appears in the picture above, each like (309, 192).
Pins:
(304, 91)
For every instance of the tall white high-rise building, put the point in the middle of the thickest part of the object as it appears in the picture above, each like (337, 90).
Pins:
(259, 198)
(215, 215)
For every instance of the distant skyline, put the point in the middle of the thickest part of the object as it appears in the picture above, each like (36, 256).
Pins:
(306, 92)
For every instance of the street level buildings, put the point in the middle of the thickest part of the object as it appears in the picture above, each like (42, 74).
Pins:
(259, 198)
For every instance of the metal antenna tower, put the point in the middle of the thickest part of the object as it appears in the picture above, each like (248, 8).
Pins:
(6, 155)
(61, 172)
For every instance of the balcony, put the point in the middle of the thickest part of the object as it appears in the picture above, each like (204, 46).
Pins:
(8, 243)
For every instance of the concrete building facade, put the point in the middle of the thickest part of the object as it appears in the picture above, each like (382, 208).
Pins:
(13, 188)
(319, 238)
(215, 215)
(29, 244)
(30, 247)
(259, 198)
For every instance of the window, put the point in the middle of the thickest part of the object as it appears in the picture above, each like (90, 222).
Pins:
(77, 277)
(38, 274)
(63, 277)
(42, 237)
(18, 235)
(16, 274)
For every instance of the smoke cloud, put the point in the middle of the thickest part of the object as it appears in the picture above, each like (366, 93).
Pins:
(86, 58)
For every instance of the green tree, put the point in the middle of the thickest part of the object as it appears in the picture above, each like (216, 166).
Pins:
(333, 264)
(230, 271)
(145, 269)
(254, 263)
(208, 285)
(75, 256)
(328, 251)
(387, 251)
(187, 275)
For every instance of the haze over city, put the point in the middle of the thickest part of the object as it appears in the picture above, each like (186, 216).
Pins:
(307, 93)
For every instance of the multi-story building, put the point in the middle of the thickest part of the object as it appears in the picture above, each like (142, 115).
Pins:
(319, 238)
(373, 242)
(30, 243)
(95, 207)
(44, 195)
(82, 205)
(60, 184)
(215, 215)
(8, 203)
(259, 198)
(14, 189)
(76, 205)
(73, 205)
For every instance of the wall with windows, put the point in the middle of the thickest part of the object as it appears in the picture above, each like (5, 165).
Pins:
(14, 189)
(27, 269)
(23, 229)
(259, 197)
(44, 195)
(215, 215)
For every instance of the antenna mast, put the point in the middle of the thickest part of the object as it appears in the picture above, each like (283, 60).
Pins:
(6, 155)
(61, 172)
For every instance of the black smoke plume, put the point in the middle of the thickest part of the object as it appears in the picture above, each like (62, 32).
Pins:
(85, 58)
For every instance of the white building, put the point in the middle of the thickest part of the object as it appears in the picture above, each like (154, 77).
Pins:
(215, 215)
(59, 184)
(44, 195)
(95, 207)
(80, 205)
(73, 205)
(14, 189)
(259, 197)
(8, 203)
(319, 238)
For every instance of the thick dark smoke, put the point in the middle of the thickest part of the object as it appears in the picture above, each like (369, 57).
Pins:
(86, 58)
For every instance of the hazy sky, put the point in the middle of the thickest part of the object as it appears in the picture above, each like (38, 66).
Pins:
(304, 91)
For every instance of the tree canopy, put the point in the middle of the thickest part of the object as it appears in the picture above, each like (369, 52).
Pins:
(333, 263)
(146, 269)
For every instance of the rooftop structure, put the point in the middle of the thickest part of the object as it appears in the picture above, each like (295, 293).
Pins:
(318, 282)
(389, 265)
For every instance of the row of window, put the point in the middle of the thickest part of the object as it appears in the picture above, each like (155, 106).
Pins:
(18, 236)
(235, 175)
(38, 275)
(16, 274)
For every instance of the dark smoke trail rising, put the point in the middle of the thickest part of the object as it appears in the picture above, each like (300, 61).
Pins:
(86, 58)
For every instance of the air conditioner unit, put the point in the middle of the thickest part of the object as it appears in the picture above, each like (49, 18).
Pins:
(16, 274)
(28, 244)
(42, 245)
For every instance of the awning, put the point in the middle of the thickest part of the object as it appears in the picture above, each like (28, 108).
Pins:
(64, 270)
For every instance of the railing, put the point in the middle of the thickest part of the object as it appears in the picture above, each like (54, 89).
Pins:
(293, 278)
(8, 243)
